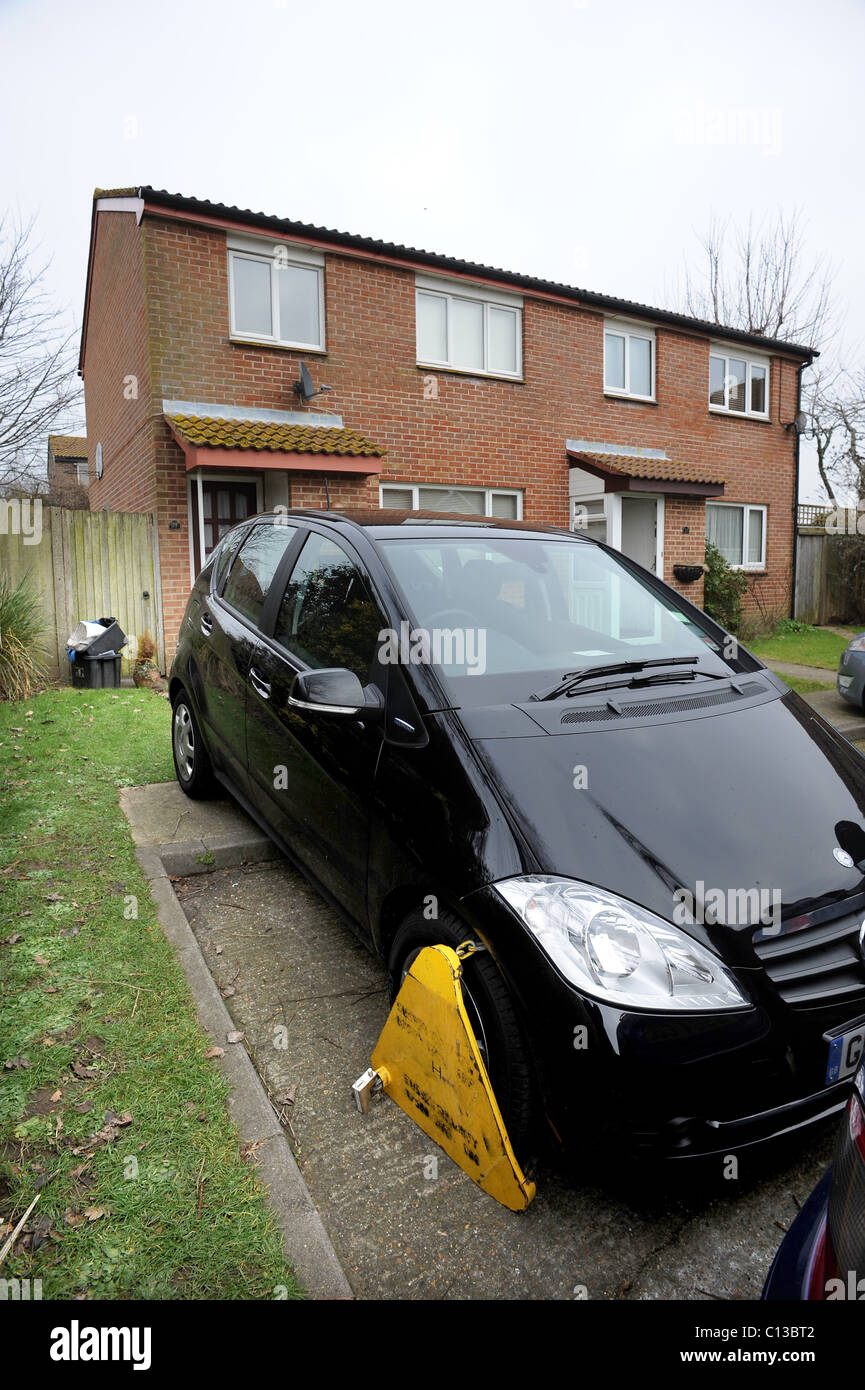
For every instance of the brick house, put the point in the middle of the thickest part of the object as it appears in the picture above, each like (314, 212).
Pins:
(452, 386)
(67, 471)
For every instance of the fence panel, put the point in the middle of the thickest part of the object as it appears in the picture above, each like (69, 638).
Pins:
(86, 565)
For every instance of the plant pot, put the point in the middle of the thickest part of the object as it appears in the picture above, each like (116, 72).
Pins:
(145, 674)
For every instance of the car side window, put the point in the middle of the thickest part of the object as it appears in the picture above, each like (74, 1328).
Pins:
(327, 616)
(224, 554)
(257, 561)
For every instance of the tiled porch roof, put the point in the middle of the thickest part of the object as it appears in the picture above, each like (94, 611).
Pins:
(638, 466)
(265, 435)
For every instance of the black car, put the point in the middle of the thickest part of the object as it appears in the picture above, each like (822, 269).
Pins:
(822, 1256)
(462, 728)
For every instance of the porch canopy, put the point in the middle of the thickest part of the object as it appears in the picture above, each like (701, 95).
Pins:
(647, 471)
(216, 442)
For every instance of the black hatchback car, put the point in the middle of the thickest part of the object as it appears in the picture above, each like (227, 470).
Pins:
(461, 728)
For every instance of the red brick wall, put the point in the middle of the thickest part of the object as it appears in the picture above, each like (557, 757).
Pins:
(476, 431)
(118, 409)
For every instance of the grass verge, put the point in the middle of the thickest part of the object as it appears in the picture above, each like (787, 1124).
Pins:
(109, 1109)
(806, 687)
(814, 646)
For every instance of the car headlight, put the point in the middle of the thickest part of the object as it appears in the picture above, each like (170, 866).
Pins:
(617, 951)
(857, 644)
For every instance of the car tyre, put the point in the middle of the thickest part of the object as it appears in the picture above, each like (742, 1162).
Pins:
(191, 759)
(491, 1012)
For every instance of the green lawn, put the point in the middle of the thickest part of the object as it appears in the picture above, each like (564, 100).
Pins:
(109, 1109)
(813, 647)
(805, 687)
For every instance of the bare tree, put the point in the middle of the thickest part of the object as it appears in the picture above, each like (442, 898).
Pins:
(761, 281)
(834, 405)
(39, 390)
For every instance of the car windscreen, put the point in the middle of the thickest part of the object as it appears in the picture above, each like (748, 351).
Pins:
(500, 619)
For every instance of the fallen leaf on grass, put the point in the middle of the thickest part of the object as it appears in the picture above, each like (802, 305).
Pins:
(215, 1052)
(54, 897)
(74, 1218)
(11, 940)
(40, 960)
(107, 1134)
(16, 1064)
(84, 1072)
(94, 1213)
(56, 1095)
(84, 1106)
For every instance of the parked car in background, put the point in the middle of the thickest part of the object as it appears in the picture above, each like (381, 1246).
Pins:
(823, 1254)
(851, 671)
(464, 728)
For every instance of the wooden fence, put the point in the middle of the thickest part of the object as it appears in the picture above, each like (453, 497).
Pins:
(86, 565)
(830, 575)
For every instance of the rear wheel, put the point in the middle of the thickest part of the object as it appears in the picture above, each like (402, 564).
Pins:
(191, 759)
(490, 1011)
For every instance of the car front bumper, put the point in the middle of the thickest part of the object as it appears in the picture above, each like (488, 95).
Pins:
(665, 1085)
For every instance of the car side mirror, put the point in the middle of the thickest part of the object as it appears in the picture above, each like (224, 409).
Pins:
(333, 691)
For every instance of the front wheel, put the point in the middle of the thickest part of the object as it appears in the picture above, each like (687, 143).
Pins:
(490, 1011)
(191, 759)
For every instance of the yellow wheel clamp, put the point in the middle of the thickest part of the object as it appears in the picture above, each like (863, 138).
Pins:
(427, 1060)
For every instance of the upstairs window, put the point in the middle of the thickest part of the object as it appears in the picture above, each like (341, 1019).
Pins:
(629, 361)
(276, 294)
(468, 330)
(738, 385)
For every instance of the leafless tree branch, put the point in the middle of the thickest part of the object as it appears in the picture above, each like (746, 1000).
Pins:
(39, 391)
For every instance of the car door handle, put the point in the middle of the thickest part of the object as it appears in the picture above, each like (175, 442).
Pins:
(258, 684)
(206, 624)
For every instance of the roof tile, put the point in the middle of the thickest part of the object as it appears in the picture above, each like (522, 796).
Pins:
(216, 433)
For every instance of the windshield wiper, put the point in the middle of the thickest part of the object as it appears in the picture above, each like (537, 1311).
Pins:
(572, 679)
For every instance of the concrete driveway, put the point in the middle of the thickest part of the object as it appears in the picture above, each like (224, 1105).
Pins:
(405, 1221)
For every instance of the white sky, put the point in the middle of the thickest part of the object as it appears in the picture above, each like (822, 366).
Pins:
(572, 139)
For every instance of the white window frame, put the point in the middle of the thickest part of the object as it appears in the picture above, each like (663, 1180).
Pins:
(622, 329)
(194, 478)
(725, 353)
(746, 508)
(451, 290)
(489, 493)
(276, 254)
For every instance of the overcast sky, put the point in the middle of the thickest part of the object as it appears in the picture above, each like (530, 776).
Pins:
(583, 141)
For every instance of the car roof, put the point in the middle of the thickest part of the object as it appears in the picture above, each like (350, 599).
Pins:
(383, 522)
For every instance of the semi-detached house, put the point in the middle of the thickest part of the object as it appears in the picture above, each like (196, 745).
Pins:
(452, 387)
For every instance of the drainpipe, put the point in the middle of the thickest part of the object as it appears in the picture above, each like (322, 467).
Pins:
(798, 435)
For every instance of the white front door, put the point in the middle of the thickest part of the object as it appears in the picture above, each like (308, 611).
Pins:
(640, 530)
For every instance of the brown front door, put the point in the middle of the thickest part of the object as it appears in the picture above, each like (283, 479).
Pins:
(225, 504)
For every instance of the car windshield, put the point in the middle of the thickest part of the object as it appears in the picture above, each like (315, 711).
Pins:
(504, 619)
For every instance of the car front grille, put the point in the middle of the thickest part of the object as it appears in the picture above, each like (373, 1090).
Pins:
(813, 961)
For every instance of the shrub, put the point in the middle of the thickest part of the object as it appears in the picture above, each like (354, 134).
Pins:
(21, 630)
(146, 646)
(723, 590)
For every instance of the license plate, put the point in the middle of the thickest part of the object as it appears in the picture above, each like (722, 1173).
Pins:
(845, 1054)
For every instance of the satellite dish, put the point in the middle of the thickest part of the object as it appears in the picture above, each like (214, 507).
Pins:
(304, 387)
